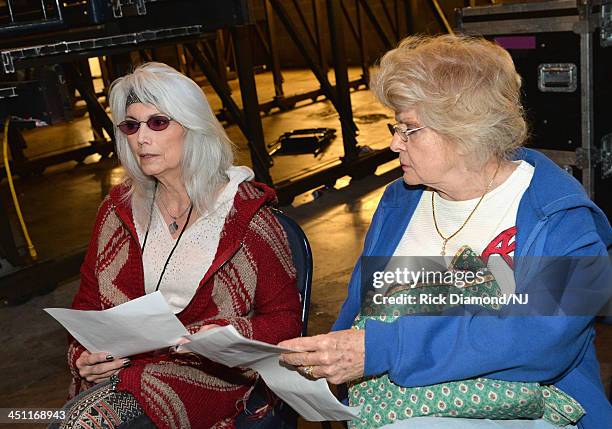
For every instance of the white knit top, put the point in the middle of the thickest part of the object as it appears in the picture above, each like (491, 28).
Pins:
(195, 252)
(490, 232)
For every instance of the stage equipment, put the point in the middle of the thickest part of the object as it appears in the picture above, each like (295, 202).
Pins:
(308, 140)
(563, 51)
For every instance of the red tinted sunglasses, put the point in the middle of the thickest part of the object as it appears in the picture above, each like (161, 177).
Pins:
(155, 123)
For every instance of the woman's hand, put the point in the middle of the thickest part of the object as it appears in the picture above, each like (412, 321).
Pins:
(99, 367)
(338, 356)
(185, 340)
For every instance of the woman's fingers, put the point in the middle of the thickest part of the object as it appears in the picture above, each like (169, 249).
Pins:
(181, 341)
(87, 358)
(102, 377)
(100, 365)
(337, 356)
(308, 350)
(100, 357)
(177, 349)
(208, 327)
(307, 358)
(102, 368)
(305, 344)
(82, 360)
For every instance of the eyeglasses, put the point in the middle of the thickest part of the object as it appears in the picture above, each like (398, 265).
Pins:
(403, 130)
(155, 123)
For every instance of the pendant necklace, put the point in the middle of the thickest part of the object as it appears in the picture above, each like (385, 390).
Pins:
(173, 226)
(144, 243)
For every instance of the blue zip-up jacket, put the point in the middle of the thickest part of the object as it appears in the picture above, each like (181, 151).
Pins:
(555, 218)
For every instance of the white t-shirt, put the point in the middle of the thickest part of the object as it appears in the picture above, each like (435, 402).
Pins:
(491, 231)
(195, 252)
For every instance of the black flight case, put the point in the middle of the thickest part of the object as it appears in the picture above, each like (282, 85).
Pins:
(563, 51)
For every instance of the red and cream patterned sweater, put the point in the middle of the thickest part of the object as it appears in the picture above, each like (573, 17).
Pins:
(250, 285)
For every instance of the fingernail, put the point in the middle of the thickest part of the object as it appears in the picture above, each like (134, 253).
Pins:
(109, 357)
(126, 362)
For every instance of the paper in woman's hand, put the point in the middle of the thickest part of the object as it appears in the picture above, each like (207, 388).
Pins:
(148, 323)
(225, 345)
(137, 326)
(312, 399)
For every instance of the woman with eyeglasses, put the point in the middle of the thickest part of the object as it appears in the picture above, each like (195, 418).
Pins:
(189, 224)
(471, 203)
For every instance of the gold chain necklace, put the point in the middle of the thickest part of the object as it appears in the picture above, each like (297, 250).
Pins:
(433, 211)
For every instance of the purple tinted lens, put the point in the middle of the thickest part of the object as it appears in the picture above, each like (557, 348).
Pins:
(129, 127)
(158, 123)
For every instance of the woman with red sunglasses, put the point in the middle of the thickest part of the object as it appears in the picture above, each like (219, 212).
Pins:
(189, 224)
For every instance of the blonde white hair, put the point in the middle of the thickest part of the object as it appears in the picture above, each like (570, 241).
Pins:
(207, 151)
(464, 88)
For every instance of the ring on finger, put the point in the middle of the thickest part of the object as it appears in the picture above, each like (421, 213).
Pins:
(308, 370)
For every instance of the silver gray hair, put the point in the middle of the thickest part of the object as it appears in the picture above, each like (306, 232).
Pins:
(207, 151)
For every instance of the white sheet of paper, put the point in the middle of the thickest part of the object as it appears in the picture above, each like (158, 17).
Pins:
(312, 399)
(137, 326)
(225, 345)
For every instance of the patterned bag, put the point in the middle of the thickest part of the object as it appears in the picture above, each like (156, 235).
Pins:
(383, 402)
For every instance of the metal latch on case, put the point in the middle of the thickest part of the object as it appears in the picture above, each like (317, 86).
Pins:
(141, 8)
(558, 77)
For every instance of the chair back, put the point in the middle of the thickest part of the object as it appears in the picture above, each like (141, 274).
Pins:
(302, 260)
(283, 416)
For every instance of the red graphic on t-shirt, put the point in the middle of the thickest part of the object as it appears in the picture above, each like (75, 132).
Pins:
(502, 245)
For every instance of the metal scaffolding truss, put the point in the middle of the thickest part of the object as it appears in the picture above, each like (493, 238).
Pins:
(48, 15)
(10, 56)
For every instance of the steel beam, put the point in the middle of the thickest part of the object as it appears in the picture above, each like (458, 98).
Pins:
(263, 40)
(349, 140)
(145, 55)
(8, 244)
(17, 144)
(365, 63)
(93, 106)
(393, 24)
(85, 74)
(409, 9)
(587, 99)
(311, 60)
(349, 20)
(216, 82)
(288, 101)
(379, 30)
(317, 14)
(242, 35)
(220, 60)
(327, 175)
(440, 16)
(274, 58)
(304, 23)
(39, 278)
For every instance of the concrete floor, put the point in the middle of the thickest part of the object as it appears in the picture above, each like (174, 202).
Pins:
(60, 206)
